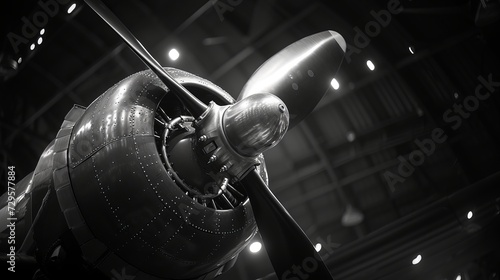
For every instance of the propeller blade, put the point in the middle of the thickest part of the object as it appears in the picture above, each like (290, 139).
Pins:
(193, 104)
(286, 244)
(300, 74)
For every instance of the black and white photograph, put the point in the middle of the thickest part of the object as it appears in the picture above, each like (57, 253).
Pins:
(250, 140)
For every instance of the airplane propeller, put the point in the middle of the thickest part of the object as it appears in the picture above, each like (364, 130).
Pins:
(193, 104)
(299, 75)
(286, 243)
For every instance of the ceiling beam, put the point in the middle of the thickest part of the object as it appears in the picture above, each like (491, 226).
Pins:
(261, 41)
(402, 64)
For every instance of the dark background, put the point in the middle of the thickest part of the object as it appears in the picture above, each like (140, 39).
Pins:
(341, 154)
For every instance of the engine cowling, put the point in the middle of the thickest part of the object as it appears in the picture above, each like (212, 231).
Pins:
(131, 209)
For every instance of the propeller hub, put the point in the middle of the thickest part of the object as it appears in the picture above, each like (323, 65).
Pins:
(230, 138)
(255, 124)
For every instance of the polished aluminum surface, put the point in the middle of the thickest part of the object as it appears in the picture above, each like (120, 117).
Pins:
(255, 124)
(300, 74)
(231, 138)
(129, 200)
(213, 149)
(125, 210)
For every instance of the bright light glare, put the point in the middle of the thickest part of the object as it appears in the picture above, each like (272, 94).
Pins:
(318, 247)
(19, 60)
(351, 136)
(469, 215)
(40, 40)
(173, 54)
(32, 47)
(42, 31)
(459, 277)
(255, 247)
(335, 84)
(71, 8)
(416, 260)
(370, 65)
(412, 51)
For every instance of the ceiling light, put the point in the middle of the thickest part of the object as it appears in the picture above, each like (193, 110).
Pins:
(459, 277)
(40, 40)
(71, 8)
(469, 215)
(351, 136)
(42, 31)
(411, 49)
(370, 65)
(255, 247)
(318, 247)
(335, 84)
(416, 260)
(32, 47)
(173, 54)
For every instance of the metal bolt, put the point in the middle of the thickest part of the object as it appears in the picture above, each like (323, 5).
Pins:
(224, 168)
(203, 138)
(212, 159)
(282, 108)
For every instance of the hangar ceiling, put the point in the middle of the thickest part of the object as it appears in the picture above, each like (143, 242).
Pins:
(389, 146)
